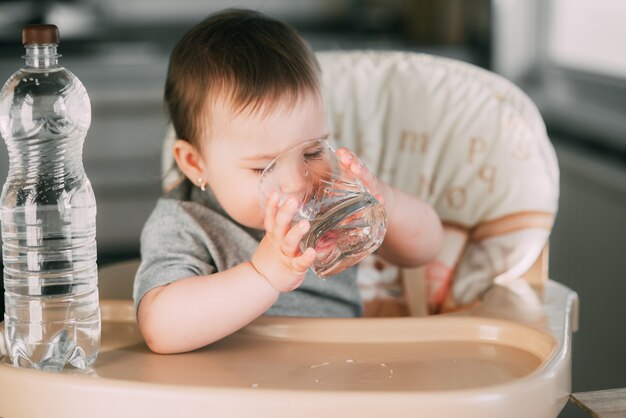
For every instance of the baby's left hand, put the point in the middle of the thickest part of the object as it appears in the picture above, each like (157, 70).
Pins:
(350, 162)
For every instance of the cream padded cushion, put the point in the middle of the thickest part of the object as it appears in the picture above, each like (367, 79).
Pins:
(465, 140)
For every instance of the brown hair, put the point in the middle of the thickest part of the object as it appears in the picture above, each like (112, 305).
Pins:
(241, 56)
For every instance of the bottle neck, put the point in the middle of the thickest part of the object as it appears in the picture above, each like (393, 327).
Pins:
(41, 56)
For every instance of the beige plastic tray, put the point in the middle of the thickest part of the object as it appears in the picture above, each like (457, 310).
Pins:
(400, 354)
(439, 366)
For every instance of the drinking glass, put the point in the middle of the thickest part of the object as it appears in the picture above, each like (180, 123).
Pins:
(347, 221)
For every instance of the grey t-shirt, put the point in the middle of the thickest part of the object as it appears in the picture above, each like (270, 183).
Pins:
(194, 237)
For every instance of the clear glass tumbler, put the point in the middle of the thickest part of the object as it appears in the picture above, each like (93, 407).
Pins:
(347, 221)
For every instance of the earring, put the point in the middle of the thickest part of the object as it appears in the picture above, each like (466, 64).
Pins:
(202, 183)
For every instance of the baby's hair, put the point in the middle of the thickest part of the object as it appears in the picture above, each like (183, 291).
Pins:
(241, 57)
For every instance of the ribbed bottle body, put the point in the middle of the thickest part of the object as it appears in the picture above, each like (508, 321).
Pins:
(48, 213)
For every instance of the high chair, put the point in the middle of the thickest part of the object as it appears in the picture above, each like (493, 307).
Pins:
(473, 146)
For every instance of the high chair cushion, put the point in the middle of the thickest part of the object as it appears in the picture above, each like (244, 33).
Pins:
(463, 139)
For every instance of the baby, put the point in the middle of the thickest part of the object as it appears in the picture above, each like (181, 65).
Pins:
(242, 88)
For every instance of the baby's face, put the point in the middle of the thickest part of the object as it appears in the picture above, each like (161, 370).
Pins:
(242, 145)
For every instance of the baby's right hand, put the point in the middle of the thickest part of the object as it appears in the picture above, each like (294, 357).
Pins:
(278, 257)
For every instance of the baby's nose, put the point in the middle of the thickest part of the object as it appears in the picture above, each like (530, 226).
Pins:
(294, 183)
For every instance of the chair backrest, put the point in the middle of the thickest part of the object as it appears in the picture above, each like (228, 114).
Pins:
(463, 139)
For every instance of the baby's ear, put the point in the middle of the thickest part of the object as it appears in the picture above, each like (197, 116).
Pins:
(189, 160)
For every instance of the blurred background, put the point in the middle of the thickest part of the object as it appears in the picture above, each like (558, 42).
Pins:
(568, 55)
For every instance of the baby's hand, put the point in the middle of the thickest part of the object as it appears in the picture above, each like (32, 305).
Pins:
(278, 257)
(350, 162)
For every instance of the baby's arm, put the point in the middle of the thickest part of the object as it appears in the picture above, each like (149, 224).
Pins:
(193, 312)
(414, 233)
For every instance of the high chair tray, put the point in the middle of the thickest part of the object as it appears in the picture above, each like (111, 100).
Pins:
(279, 366)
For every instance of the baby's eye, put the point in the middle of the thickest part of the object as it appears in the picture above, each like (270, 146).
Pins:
(315, 155)
(259, 171)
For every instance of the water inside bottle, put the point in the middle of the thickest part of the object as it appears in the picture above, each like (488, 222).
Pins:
(349, 224)
(52, 316)
(49, 333)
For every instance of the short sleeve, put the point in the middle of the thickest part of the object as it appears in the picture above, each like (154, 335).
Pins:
(173, 247)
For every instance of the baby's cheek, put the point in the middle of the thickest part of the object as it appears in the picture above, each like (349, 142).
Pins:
(253, 215)
(258, 218)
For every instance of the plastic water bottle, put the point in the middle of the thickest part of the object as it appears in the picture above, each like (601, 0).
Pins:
(48, 215)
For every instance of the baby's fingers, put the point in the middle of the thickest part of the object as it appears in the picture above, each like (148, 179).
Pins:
(303, 262)
(346, 159)
(369, 180)
(350, 162)
(291, 243)
(285, 213)
(271, 207)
